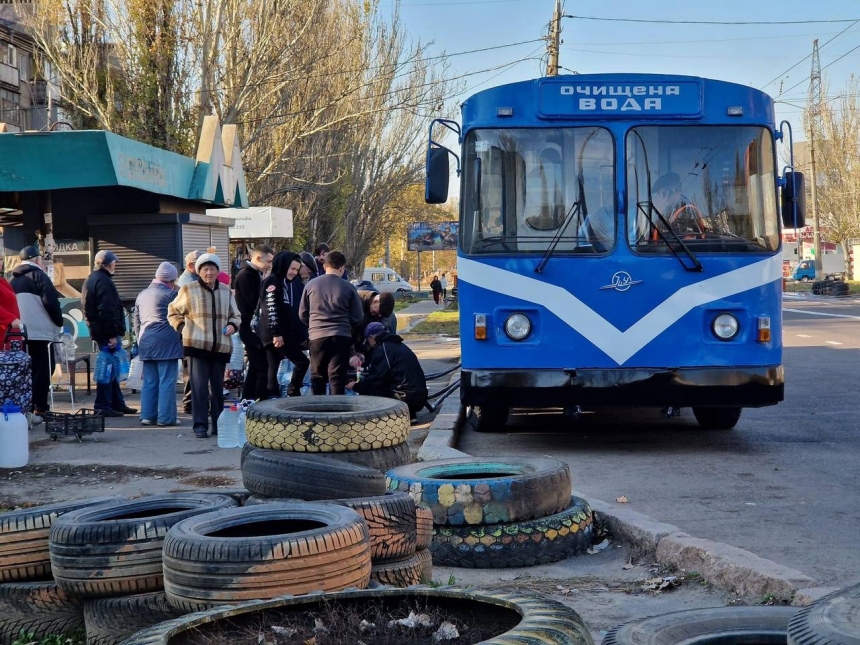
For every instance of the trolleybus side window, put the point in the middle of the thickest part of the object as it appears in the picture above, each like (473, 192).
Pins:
(710, 189)
(525, 187)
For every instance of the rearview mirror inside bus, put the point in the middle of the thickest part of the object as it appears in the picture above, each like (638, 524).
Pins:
(794, 192)
(436, 183)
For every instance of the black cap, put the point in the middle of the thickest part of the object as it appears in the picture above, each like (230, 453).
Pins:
(30, 252)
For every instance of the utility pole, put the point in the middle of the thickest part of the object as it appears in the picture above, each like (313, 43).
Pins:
(814, 125)
(553, 41)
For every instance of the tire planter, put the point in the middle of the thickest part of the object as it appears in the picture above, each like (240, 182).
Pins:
(831, 620)
(405, 572)
(516, 544)
(115, 549)
(110, 620)
(491, 490)
(39, 607)
(425, 558)
(24, 538)
(760, 625)
(390, 522)
(381, 459)
(531, 619)
(327, 423)
(424, 528)
(259, 552)
(274, 473)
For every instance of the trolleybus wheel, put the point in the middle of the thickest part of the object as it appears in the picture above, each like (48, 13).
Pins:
(717, 418)
(490, 418)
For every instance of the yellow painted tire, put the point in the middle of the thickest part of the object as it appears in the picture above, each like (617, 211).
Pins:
(327, 423)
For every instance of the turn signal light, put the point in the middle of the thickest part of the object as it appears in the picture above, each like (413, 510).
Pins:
(764, 329)
(480, 326)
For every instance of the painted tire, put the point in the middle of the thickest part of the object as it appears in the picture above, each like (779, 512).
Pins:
(835, 619)
(115, 549)
(532, 618)
(327, 423)
(39, 607)
(471, 491)
(424, 528)
(704, 626)
(390, 522)
(382, 459)
(24, 535)
(299, 548)
(516, 544)
(110, 620)
(274, 473)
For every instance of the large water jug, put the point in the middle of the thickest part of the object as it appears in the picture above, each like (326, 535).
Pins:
(237, 356)
(240, 425)
(14, 441)
(104, 366)
(122, 365)
(228, 428)
(285, 375)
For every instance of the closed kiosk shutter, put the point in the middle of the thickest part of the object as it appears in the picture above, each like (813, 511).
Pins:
(195, 237)
(221, 241)
(140, 249)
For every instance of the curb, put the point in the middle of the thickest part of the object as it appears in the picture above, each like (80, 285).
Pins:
(722, 565)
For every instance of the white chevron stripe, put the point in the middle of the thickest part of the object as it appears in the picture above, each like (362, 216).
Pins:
(619, 345)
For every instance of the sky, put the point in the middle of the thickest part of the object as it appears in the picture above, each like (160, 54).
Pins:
(772, 57)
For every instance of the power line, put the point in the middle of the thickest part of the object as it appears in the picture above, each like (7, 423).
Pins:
(703, 40)
(710, 57)
(712, 22)
(853, 49)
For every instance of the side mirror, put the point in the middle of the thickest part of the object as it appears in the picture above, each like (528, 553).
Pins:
(436, 182)
(794, 200)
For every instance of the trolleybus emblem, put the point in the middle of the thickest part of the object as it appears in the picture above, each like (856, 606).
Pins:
(621, 281)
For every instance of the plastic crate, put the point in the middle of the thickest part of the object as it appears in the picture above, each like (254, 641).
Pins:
(58, 424)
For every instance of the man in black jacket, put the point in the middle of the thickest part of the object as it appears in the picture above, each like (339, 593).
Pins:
(247, 288)
(39, 304)
(281, 330)
(105, 315)
(393, 371)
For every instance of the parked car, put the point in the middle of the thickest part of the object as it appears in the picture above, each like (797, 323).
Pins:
(386, 280)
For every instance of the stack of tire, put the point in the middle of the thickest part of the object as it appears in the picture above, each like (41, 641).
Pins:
(498, 512)
(93, 563)
(830, 287)
(335, 449)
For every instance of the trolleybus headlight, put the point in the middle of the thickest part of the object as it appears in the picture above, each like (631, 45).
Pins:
(517, 327)
(726, 327)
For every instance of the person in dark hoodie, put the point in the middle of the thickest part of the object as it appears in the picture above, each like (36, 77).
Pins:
(308, 270)
(393, 370)
(281, 331)
(39, 304)
(247, 288)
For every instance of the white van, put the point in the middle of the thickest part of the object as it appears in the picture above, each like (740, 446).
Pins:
(386, 280)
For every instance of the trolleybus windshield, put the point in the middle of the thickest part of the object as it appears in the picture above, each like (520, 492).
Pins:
(713, 186)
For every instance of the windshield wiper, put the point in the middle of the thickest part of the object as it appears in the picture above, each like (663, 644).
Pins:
(576, 208)
(697, 266)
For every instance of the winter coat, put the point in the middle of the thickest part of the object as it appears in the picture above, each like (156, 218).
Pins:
(38, 302)
(279, 303)
(8, 308)
(102, 306)
(435, 286)
(200, 314)
(186, 277)
(156, 339)
(390, 320)
(247, 288)
(393, 367)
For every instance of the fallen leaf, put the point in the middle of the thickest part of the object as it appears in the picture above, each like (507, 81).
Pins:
(621, 500)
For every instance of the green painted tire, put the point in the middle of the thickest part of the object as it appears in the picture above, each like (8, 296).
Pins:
(532, 619)
(832, 620)
(490, 490)
(516, 544)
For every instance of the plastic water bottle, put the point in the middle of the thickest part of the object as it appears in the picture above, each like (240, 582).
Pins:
(123, 364)
(285, 375)
(240, 426)
(14, 440)
(104, 366)
(228, 428)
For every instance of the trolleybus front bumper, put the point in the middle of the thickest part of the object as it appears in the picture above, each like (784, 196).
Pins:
(657, 387)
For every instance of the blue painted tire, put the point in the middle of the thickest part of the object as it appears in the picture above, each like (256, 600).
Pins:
(493, 490)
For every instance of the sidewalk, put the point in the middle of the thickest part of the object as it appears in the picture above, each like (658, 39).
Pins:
(410, 316)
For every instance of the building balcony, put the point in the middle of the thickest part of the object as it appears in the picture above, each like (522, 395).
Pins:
(9, 75)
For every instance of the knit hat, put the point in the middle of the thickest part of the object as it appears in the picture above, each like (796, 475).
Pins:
(224, 278)
(207, 258)
(166, 272)
(105, 257)
(30, 252)
(374, 329)
(309, 261)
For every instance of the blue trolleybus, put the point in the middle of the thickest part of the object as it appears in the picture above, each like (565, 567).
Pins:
(619, 245)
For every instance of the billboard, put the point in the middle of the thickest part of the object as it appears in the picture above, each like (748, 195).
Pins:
(432, 236)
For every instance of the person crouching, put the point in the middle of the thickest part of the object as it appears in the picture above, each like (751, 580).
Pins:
(393, 370)
(206, 315)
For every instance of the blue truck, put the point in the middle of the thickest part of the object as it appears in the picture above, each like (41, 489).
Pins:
(833, 266)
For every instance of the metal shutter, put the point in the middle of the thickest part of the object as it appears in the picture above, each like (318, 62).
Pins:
(220, 239)
(140, 249)
(195, 237)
